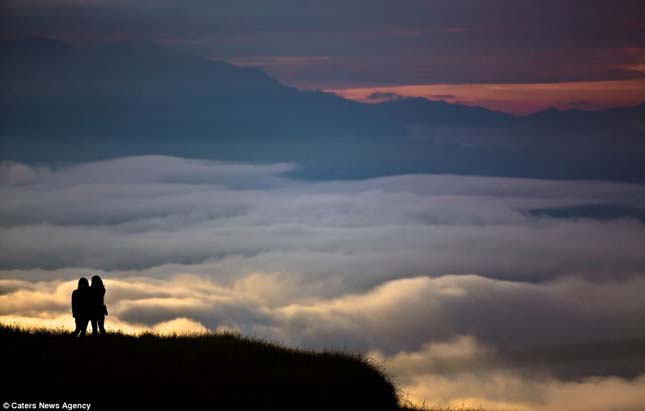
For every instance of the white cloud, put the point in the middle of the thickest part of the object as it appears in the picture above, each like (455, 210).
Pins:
(148, 211)
(384, 265)
(441, 338)
(422, 376)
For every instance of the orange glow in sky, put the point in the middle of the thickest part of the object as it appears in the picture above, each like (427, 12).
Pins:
(518, 98)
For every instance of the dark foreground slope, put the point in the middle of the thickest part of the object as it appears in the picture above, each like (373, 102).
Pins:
(213, 372)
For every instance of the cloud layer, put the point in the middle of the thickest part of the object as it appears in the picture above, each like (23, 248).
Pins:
(452, 282)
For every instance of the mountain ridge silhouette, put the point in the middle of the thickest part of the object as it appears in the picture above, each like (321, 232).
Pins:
(63, 103)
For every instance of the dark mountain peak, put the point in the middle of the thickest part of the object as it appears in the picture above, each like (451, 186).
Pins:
(47, 67)
(548, 111)
(140, 49)
(582, 118)
(551, 114)
(638, 109)
(425, 111)
(129, 46)
(34, 45)
(128, 98)
(425, 103)
(133, 44)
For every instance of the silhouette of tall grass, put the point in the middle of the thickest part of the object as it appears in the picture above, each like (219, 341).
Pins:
(189, 371)
(413, 407)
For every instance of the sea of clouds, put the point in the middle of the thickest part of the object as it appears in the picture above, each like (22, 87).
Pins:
(463, 293)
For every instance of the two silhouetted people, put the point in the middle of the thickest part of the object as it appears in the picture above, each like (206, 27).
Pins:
(88, 305)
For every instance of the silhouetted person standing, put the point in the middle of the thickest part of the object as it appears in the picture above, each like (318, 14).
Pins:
(81, 307)
(98, 310)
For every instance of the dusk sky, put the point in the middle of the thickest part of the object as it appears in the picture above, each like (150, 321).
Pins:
(300, 194)
(586, 54)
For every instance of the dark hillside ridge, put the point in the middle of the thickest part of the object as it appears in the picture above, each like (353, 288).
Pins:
(423, 111)
(214, 372)
(133, 98)
(63, 104)
(44, 67)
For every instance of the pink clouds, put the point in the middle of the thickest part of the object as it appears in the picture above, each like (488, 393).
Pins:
(521, 98)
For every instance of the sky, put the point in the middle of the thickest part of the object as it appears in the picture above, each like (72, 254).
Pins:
(495, 292)
(587, 54)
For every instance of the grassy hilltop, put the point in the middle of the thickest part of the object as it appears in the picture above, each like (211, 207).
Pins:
(217, 372)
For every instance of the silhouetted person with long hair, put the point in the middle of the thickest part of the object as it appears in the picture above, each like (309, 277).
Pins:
(81, 307)
(98, 310)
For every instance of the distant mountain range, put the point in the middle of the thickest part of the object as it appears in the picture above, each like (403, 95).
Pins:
(61, 103)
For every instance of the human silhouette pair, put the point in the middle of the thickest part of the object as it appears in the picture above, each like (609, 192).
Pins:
(88, 306)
